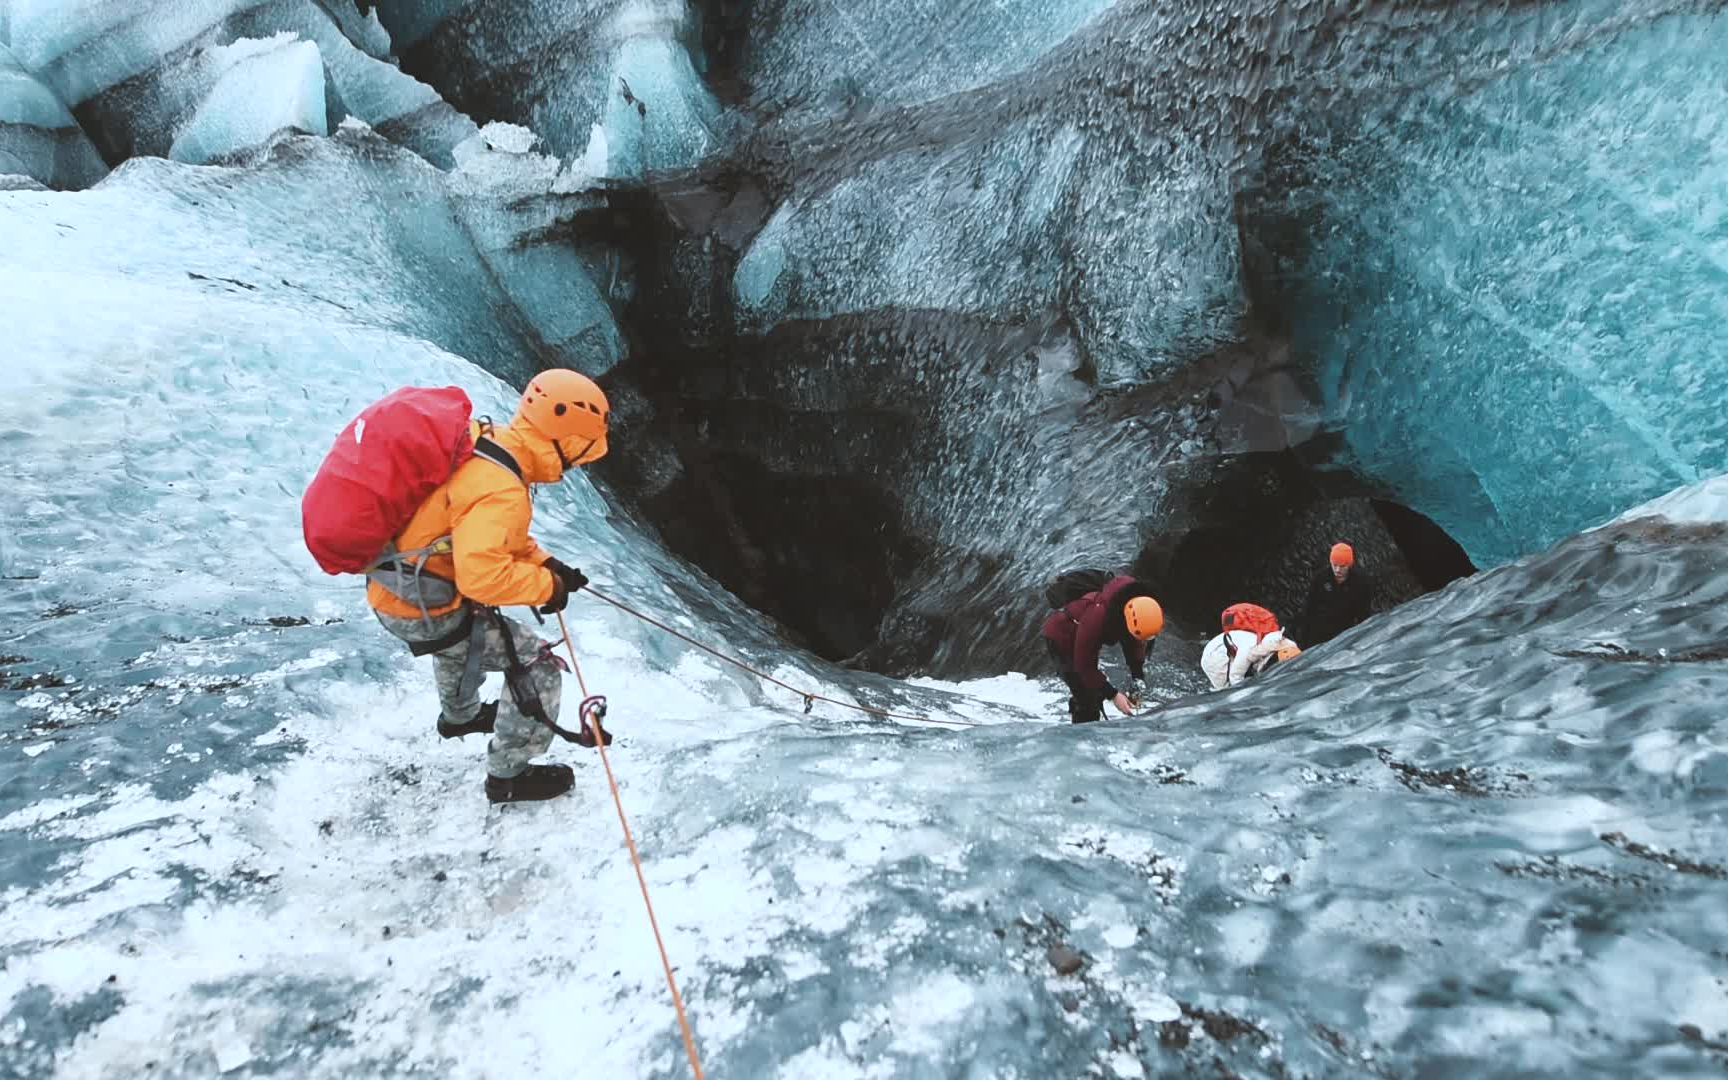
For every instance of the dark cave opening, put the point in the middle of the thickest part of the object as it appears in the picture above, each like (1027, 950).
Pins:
(816, 553)
(1436, 559)
(756, 491)
(1262, 530)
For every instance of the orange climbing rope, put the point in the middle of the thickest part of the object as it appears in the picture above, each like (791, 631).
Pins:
(635, 859)
(808, 697)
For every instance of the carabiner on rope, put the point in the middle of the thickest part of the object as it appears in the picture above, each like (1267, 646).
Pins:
(593, 708)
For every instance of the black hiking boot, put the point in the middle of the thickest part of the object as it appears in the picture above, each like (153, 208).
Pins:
(532, 784)
(482, 724)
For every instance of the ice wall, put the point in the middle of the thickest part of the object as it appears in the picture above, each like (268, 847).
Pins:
(628, 67)
(1512, 292)
(38, 136)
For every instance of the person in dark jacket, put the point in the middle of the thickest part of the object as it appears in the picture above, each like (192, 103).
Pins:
(1123, 613)
(1339, 598)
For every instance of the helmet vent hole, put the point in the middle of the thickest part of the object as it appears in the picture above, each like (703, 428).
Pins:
(559, 409)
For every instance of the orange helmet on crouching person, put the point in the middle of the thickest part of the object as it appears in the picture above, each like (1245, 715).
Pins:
(1143, 617)
(570, 410)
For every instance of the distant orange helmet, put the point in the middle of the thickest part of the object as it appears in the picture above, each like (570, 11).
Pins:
(1343, 555)
(570, 409)
(1144, 617)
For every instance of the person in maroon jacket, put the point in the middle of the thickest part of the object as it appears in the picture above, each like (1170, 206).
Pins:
(1121, 613)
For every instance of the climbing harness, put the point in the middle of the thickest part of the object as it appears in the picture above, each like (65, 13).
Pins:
(808, 698)
(516, 680)
(592, 710)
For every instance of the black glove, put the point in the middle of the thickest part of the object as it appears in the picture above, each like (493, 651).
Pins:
(573, 578)
(560, 597)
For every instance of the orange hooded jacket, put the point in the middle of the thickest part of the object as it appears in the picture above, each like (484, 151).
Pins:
(485, 511)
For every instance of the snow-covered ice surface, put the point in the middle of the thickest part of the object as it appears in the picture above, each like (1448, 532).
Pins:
(232, 844)
(1482, 835)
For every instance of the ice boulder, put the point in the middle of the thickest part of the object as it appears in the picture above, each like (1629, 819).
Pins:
(135, 73)
(269, 86)
(523, 209)
(38, 136)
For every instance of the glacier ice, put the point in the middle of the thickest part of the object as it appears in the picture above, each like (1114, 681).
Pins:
(1032, 270)
(38, 137)
(133, 73)
(507, 192)
(1510, 292)
(241, 840)
(476, 269)
(1251, 227)
(561, 69)
(817, 57)
(268, 87)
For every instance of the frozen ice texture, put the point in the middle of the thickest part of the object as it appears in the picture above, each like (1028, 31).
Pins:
(38, 136)
(268, 87)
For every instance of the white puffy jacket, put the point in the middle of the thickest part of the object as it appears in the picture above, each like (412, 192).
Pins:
(1251, 658)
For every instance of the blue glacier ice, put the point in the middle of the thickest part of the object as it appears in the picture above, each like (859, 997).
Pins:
(1132, 240)
(269, 86)
(1512, 291)
(38, 136)
(136, 72)
(1060, 279)
(565, 69)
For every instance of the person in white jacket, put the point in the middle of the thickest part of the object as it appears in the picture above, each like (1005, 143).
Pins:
(1252, 657)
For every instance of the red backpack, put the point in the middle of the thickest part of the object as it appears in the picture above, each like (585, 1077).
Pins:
(382, 467)
(1250, 617)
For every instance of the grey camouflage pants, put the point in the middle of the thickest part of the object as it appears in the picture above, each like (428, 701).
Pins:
(516, 738)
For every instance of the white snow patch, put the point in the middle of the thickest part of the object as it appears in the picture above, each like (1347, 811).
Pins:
(1703, 503)
(45, 810)
(928, 1015)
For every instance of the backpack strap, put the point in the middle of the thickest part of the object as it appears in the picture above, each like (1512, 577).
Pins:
(404, 574)
(484, 447)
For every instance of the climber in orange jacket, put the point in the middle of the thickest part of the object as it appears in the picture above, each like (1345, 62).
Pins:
(441, 603)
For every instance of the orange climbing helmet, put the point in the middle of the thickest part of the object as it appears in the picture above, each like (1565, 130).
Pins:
(1343, 555)
(567, 407)
(1143, 616)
